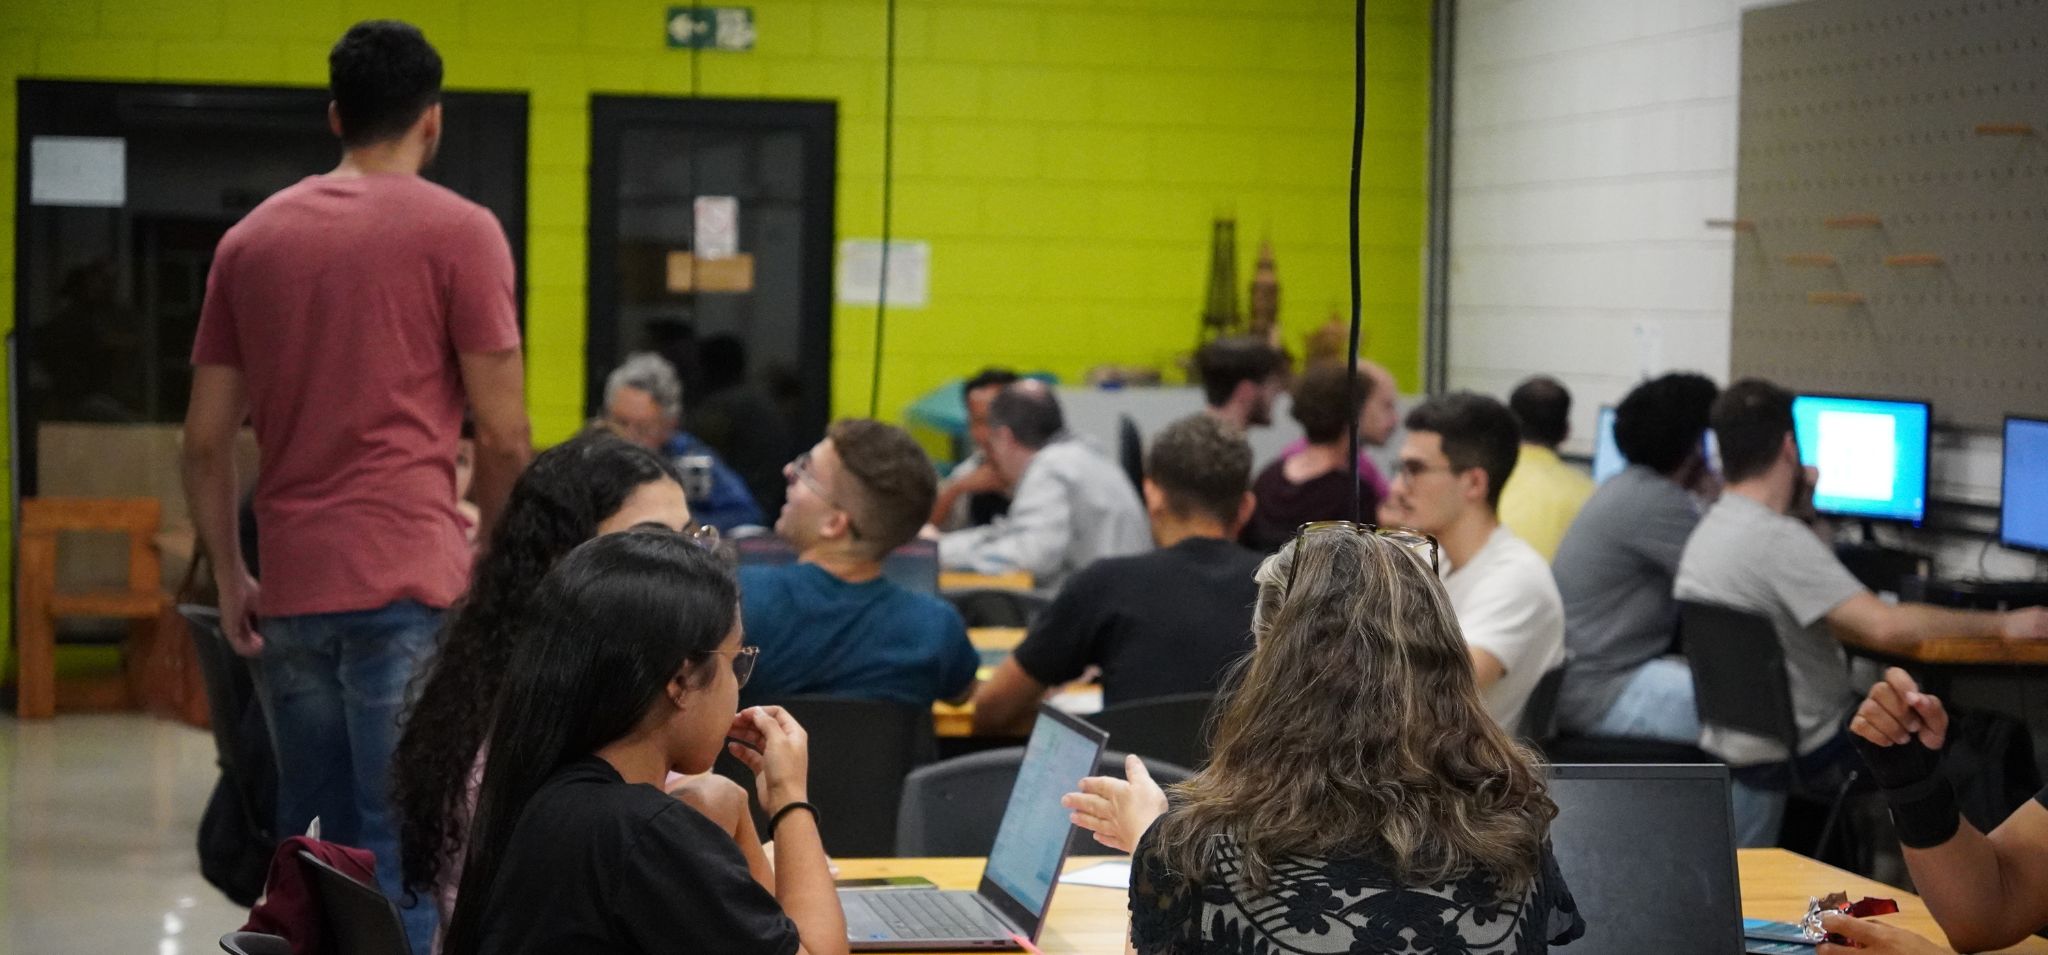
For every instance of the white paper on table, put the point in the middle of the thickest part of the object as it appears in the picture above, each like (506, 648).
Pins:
(860, 272)
(89, 171)
(1102, 875)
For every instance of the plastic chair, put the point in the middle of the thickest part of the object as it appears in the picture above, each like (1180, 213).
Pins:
(1170, 729)
(1739, 683)
(356, 918)
(991, 607)
(1539, 714)
(254, 943)
(861, 750)
(955, 807)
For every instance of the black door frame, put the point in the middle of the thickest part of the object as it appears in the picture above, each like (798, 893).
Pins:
(818, 123)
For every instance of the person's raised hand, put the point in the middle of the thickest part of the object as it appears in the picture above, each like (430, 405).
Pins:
(772, 744)
(1117, 811)
(2030, 623)
(1866, 935)
(1896, 711)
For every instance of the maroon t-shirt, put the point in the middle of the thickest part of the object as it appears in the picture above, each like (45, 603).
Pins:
(343, 302)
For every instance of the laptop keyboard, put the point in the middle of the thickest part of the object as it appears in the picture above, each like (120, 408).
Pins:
(920, 915)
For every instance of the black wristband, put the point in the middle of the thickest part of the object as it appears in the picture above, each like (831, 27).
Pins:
(1925, 813)
(776, 820)
(1901, 765)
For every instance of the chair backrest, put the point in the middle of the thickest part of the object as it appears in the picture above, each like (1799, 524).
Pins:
(254, 943)
(1539, 714)
(44, 518)
(357, 918)
(994, 607)
(1171, 729)
(1738, 671)
(1130, 450)
(861, 750)
(955, 807)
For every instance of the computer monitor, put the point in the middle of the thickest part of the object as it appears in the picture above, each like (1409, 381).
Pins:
(1649, 854)
(1607, 459)
(1871, 452)
(2023, 487)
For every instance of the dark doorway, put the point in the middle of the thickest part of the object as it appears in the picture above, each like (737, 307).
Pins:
(754, 353)
(108, 298)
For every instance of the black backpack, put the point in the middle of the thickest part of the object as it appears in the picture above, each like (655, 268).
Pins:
(236, 837)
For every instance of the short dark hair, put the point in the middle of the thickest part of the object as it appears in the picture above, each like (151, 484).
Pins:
(990, 377)
(1477, 432)
(1543, 407)
(1030, 410)
(1327, 399)
(1661, 421)
(897, 482)
(1203, 465)
(1751, 420)
(1225, 362)
(383, 74)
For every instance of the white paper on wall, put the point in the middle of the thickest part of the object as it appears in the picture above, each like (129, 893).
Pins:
(860, 271)
(89, 171)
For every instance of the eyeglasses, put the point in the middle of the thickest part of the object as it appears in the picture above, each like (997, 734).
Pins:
(743, 660)
(1411, 469)
(1407, 537)
(702, 535)
(800, 469)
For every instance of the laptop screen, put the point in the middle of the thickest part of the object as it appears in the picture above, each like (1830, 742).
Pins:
(1032, 841)
(1649, 854)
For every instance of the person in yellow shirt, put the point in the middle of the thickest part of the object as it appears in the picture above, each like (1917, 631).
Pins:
(1544, 493)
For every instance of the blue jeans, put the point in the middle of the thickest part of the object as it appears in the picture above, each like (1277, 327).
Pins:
(333, 686)
(1656, 703)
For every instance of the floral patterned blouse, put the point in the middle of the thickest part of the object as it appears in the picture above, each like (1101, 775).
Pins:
(1349, 906)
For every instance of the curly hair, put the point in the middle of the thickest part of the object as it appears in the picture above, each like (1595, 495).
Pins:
(557, 503)
(1355, 729)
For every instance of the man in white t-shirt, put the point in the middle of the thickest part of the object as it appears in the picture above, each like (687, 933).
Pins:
(1460, 449)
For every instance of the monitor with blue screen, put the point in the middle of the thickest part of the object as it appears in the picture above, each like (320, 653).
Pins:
(1871, 453)
(1607, 459)
(2023, 489)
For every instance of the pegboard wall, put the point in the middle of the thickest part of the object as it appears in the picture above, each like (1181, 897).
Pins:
(1892, 203)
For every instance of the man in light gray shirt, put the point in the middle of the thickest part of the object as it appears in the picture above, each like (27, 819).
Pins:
(1755, 552)
(1616, 566)
(1071, 505)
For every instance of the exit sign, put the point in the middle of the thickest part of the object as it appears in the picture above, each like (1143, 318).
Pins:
(711, 28)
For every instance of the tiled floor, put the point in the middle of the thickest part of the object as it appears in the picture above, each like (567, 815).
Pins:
(99, 829)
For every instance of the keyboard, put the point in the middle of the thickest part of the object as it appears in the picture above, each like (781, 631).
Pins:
(915, 914)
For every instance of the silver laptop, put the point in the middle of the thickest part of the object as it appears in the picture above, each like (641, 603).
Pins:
(1024, 865)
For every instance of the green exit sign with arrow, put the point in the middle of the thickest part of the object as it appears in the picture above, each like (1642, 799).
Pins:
(711, 28)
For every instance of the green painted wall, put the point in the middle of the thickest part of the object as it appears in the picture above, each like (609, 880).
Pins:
(1063, 157)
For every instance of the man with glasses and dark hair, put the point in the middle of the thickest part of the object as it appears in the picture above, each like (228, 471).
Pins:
(1073, 506)
(1157, 624)
(831, 624)
(1755, 551)
(1461, 447)
(350, 318)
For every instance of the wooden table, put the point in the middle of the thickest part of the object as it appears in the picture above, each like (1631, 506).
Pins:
(1775, 885)
(1953, 651)
(962, 580)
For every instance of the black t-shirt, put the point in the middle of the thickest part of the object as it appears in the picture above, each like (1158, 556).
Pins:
(1158, 624)
(1283, 506)
(596, 865)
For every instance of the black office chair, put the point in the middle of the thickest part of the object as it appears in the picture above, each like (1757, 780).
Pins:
(356, 919)
(955, 807)
(1739, 683)
(254, 943)
(1539, 714)
(235, 831)
(861, 750)
(1171, 729)
(1130, 451)
(995, 607)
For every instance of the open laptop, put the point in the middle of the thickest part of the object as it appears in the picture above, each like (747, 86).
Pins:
(1649, 854)
(1024, 865)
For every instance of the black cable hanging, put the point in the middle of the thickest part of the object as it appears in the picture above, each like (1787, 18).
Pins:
(696, 163)
(1357, 161)
(888, 181)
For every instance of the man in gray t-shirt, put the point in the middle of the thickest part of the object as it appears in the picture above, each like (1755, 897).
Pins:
(1755, 552)
(1617, 563)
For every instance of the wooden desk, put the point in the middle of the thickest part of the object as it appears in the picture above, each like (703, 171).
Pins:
(1775, 885)
(1004, 639)
(1954, 651)
(962, 580)
(950, 721)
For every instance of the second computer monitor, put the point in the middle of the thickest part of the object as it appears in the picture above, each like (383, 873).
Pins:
(1607, 459)
(1871, 452)
(2023, 505)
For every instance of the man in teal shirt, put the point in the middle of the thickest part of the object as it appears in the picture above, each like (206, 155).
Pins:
(831, 624)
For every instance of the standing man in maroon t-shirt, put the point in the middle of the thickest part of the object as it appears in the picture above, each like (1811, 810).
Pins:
(350, 318)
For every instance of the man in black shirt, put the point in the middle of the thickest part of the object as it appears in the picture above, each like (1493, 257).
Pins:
(1159, 623)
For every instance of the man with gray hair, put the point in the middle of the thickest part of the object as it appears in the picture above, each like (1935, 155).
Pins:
(643, 403)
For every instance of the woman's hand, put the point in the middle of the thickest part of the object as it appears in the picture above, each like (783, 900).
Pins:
(1118, 811)
(771, 743)
(1873, 937)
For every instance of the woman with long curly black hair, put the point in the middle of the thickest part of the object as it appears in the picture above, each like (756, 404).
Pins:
(591, 485)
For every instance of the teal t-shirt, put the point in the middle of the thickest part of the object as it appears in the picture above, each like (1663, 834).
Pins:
(822, 636)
